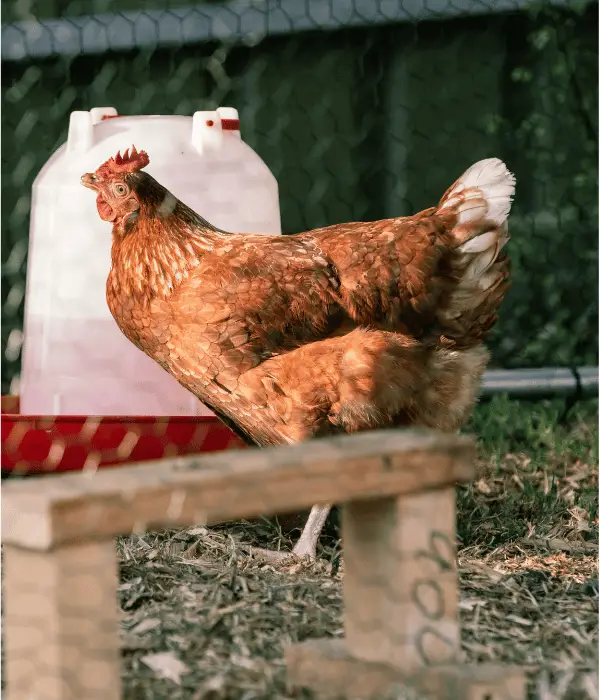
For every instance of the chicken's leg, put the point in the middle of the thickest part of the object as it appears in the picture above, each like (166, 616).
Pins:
(306, 546)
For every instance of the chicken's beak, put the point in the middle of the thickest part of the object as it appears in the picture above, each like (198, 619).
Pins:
(89, 180)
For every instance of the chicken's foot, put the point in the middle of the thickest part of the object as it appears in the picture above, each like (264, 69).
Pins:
(306, 546)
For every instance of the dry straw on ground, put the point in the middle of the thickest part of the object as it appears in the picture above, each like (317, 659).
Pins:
(204, 620)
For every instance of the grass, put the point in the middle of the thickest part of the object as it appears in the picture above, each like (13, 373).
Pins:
(198, 610)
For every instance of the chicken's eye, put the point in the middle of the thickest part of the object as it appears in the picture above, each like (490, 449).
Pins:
(120, 189)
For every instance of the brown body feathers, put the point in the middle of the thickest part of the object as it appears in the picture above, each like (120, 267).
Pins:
(344, 328)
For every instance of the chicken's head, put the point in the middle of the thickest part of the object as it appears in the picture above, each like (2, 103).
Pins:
(117, 200)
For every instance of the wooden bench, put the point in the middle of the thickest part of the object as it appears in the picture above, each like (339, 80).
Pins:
(397, 493)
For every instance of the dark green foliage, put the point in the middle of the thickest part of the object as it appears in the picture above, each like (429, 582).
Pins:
(550, 129)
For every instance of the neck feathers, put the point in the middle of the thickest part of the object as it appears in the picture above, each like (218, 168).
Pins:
(160, 246)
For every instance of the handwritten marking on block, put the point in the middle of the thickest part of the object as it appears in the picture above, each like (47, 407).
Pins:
(428, 642)
(428, 596)
(440, 541)
(432, 645)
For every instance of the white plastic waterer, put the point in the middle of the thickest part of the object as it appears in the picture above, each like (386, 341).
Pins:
(76, 360)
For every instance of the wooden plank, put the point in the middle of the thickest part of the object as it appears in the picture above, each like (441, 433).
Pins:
(401, 581)
(327, 668)
(229, 485)
(61, 623)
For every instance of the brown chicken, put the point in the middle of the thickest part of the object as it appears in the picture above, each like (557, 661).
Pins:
(345, 328)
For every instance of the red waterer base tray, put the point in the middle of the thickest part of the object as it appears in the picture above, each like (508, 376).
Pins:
(50, 444)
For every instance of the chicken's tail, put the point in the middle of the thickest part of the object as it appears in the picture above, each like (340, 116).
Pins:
(478, 204)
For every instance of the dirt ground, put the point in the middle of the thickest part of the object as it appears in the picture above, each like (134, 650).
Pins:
(202, 620)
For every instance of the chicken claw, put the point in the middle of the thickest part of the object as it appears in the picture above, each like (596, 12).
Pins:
(306, 547)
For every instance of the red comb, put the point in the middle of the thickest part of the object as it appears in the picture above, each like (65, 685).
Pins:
(126, 163)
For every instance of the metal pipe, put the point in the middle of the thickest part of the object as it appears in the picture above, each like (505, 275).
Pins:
(541, 382)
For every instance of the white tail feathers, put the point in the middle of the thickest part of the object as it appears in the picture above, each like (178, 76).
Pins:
(480, 200)
(484, 191)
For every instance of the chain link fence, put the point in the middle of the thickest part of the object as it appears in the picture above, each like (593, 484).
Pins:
(362, 110)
